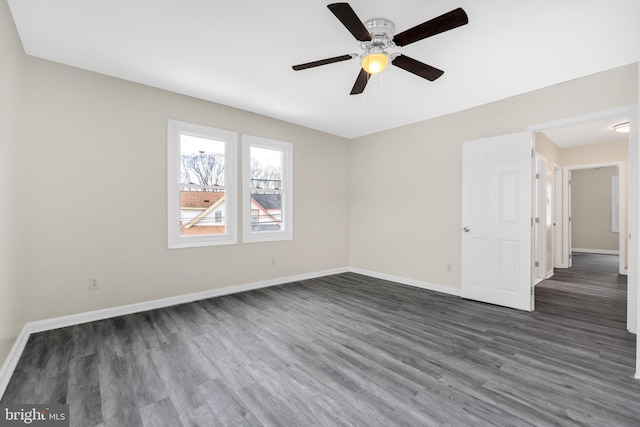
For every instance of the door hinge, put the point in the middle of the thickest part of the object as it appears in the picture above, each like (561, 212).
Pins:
(569, 219)
(537, 176)
(570, 256)
(537, 220)
(537, 263)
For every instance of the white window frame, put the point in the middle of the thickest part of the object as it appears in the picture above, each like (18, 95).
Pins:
(175, 240)
(249, 236)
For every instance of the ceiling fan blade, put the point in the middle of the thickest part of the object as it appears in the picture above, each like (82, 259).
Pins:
(350, 20)
(442, 23)
(361, 83)
(416, 67)
(321, 62)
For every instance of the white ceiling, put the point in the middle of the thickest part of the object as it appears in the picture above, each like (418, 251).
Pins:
(592, 132)
(239, 53)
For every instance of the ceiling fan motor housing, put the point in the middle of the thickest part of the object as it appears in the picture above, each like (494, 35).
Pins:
(382, 31)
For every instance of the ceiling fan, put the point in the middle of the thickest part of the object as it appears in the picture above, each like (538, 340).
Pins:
(377, 36)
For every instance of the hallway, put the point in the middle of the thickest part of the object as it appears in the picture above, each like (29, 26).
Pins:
(591, 291)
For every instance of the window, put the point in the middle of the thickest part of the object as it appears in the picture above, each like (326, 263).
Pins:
(201, 185)
(267, 190)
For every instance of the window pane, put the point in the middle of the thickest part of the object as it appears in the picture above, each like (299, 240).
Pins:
(266, 168)
(267, 190)
(201, 161)
(201, 191)
(266, 211)
(202, 212)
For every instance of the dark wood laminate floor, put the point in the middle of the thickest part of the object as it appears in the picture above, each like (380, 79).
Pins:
(346, 350)
(591, 291)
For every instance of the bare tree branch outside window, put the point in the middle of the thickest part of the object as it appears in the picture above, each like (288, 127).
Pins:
(267, 177)
(202, 169)
(208, 169)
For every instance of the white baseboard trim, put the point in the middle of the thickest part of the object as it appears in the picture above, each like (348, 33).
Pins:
(12, 359)
(550, 274)
(596, 251)
(91, 316)
(409, 282)
(29, 328)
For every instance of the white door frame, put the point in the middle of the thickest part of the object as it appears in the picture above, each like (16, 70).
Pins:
(566, 217)
(540, 222)
(557, 252)
(634, 159)
(566, 225)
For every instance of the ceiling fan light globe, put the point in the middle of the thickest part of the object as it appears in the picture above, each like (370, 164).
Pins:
(375, 63)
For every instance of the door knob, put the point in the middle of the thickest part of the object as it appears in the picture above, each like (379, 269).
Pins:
(466, 229)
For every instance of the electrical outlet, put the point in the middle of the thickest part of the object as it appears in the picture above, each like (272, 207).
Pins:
(449, 268)
(93, 284)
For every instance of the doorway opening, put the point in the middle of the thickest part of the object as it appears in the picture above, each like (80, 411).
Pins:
(596, 220)
(582, 146)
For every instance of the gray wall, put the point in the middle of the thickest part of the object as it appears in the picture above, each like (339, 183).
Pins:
(591, 210)
(13, 282)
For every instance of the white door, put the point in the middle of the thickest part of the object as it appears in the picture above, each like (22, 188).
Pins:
(497, 220)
